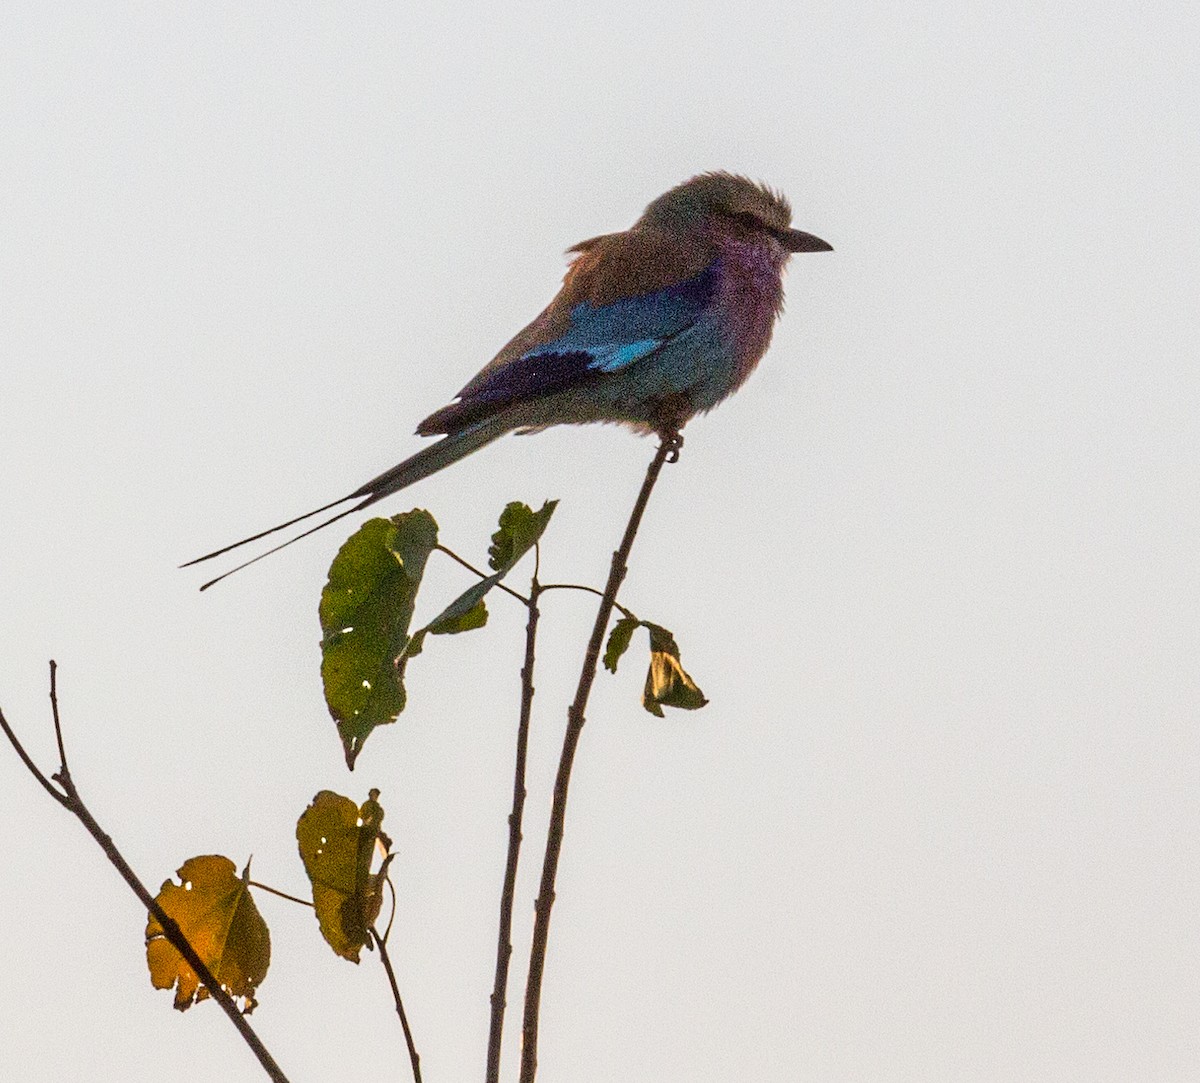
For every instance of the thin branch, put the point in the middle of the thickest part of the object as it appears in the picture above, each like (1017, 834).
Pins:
(482, 575)
(281, 894)
(504, 936)
(668, 450)
(58, 736)
(384, 958)
(590, 590)
(173, 933)
(32, 767)
(68, 796)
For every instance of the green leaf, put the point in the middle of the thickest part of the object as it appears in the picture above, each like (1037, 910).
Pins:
(667, 683)
(520, 529)
(411, 649)
(466, 612)
(337, 841)
(460, 620)
(618, 641)
(366, 609)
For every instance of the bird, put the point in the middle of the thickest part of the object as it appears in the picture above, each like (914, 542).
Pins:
(652, 326)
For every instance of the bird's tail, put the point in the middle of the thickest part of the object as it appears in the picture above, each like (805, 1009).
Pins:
(428, 460)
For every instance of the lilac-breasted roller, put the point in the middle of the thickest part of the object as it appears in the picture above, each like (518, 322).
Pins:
(651, 327)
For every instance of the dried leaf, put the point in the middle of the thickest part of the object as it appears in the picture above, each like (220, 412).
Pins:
(214, 910)
(667, 683)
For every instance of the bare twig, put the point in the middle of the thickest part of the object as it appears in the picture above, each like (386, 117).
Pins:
(384, 958)
(32, 767)
(68, 796)
(58, 736)
(504, 937)
(668, 450)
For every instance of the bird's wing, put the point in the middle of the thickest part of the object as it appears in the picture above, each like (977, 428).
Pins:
(624, 296)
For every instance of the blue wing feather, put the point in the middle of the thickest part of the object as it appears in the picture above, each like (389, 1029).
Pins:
(601, 340)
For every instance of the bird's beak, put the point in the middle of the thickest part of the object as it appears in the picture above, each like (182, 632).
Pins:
(795, 240)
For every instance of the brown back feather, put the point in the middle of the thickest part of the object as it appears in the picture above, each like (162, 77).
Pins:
(606, 269)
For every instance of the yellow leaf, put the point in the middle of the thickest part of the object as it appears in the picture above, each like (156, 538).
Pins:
(337, 844)
(213, 908)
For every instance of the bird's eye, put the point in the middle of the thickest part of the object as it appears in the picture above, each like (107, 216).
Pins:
(745, 218)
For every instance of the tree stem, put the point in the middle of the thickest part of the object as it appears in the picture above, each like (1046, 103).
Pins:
(504, 937)
(413, 1058)
(668, 449)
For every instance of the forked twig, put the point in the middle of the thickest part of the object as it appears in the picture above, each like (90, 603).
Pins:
(68, 796)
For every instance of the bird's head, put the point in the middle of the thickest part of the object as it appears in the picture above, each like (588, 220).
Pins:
(733, 205)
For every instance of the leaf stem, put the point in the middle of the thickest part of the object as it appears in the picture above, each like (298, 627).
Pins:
(504, 937)
(68, 797)
(590, 590)
(667, 450)
(384, 958)
(281, 894)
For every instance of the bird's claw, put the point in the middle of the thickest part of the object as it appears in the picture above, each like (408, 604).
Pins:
(673, 442)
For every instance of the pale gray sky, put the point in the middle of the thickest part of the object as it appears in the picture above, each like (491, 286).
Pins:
(934, 566)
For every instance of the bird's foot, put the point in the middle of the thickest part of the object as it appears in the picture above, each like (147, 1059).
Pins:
(673, 442)
(670, 414)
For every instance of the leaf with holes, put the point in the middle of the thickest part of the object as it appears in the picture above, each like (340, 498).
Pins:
(366, 609)
(337, 841)
(214, 910)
